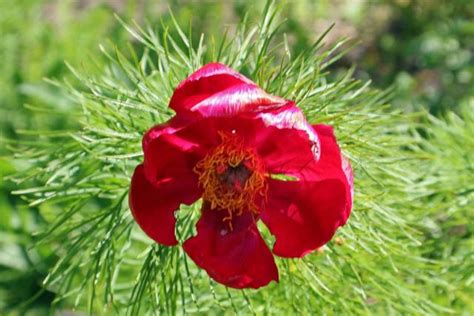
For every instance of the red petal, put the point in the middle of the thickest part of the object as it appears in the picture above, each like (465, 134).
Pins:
(291, 117)
(303, 216)
(283, 139)
(206, 81)
(217, 90)
(332, 165)
(237, 99)
(285, 151)
(169, 155)
(346, 166)
(153, 206)
(237, 258)
(168, 128)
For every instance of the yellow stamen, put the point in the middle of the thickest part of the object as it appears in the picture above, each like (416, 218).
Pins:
(233, 177)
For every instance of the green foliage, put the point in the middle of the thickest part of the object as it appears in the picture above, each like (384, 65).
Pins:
(36, 38)
(22, 269)
(446, 189)
(389, 258)
(33, 46)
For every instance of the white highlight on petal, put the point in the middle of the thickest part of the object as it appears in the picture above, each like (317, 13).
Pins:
(238, 99)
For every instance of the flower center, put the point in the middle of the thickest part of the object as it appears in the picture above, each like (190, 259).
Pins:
(233, 177)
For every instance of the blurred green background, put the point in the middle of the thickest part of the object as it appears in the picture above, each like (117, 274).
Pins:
(423, 50)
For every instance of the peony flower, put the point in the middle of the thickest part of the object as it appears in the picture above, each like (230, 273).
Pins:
(250, 156)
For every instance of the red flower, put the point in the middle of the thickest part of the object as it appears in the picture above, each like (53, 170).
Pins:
(250, 156)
